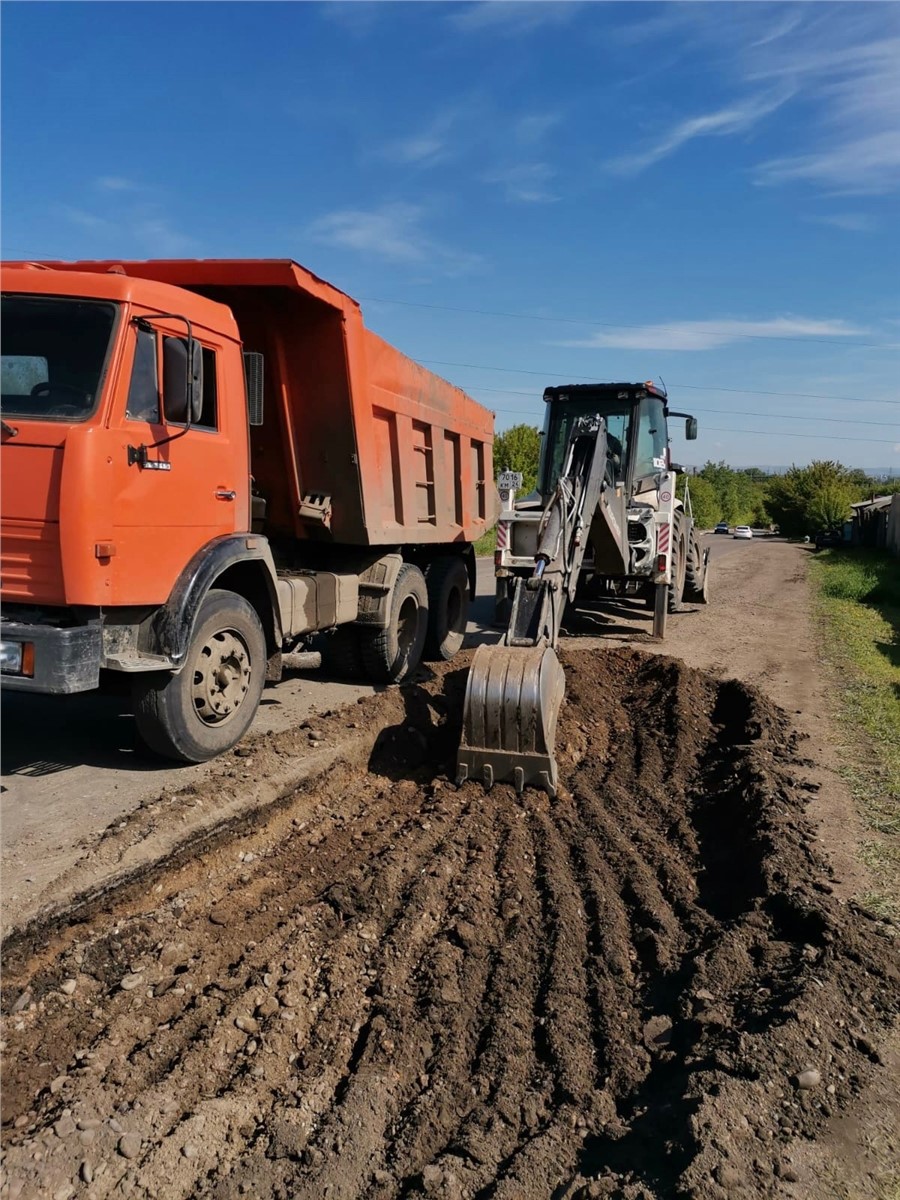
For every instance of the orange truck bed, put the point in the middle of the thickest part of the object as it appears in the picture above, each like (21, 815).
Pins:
(368, 448)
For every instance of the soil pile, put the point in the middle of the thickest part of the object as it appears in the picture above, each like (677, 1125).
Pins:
(391, 987)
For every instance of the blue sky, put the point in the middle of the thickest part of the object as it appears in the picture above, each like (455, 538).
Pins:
(519, 193)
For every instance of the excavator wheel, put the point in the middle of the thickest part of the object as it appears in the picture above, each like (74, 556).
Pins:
(679, 561)
(696, 578)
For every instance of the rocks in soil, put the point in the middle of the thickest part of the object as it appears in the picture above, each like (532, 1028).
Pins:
(618, 993)
(129, 1145)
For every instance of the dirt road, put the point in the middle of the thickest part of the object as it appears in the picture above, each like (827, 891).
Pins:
(379, 985)
(72, 771)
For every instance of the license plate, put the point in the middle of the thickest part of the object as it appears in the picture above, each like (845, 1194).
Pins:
(509, 479)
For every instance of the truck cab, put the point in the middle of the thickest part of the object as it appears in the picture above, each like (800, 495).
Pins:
(160, 520)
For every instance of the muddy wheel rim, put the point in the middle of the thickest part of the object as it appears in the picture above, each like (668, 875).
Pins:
(221, 677)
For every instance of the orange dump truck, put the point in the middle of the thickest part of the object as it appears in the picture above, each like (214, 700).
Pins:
(204, 464)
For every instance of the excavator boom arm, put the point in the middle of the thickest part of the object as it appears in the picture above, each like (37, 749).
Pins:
(516, 688)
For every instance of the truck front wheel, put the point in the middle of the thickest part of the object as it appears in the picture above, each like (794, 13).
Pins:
(448, 607)
(208, 706)
(393, 653)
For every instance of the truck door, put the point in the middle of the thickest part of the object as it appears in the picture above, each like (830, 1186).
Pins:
(178, 484)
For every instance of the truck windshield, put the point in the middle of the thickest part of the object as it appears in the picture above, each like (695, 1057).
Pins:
(54, 356)
(618, 426)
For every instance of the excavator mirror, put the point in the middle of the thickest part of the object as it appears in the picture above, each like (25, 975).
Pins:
(690, 429)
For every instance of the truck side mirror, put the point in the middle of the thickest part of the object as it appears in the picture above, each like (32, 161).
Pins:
(182, 380)
(690, 429)
(253, 378)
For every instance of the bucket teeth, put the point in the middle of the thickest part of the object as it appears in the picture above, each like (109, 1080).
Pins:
(513, 697)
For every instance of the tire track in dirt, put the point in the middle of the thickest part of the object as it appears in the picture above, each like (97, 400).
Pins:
(391, 987)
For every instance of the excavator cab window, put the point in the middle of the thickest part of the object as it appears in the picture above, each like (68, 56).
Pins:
(652, 444)
(563, 417)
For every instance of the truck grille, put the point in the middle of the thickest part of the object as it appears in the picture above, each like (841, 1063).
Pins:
(30, 562)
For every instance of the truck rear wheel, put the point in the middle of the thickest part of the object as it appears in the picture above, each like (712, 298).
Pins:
(208, 706)
(679, 561)
(393, 653)
(447, 581)
(342, 652)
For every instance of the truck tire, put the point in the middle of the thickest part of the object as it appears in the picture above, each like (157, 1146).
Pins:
(696, 573)
(208, 706)
(393, 653)
(679, 561)
(342, 653)
(447, 581)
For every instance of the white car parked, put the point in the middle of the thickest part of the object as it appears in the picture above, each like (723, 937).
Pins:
(742, 531)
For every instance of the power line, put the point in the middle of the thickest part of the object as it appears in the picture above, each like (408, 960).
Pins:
(822, 437)
(740, 412)
(436, 362)
(485, 312)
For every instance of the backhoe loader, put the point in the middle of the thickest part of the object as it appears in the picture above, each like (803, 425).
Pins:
(605, 518)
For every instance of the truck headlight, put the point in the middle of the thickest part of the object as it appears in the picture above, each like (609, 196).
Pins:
(11, 657)
(17, 658)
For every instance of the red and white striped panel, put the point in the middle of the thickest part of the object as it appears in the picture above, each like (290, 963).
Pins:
(503, 535)
(662, 543)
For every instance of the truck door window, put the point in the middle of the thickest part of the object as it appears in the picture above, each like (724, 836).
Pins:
(143, 392)
(209, 417)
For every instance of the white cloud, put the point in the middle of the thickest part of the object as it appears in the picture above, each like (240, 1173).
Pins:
(432, 143)
(851, 222)
(525, 183)
(115, 183)
(861, 166)
(514, 17)
(357, 17)
(839, 61)
(126, 219)
(392, 232)
(712, 335)
(849, 69)
(735, 119)
(533, 128)
(424, 147)
(87, 220)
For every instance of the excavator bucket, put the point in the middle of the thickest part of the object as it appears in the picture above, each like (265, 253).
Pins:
(513, 697)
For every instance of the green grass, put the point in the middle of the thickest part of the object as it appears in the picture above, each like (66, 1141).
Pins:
(858, 610)
(486, 543)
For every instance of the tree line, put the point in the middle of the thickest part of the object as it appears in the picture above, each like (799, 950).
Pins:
(801, 501)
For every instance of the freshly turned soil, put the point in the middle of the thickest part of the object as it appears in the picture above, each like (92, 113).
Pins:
(387, 987)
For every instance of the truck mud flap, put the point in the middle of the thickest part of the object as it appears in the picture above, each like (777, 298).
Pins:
(513, 698)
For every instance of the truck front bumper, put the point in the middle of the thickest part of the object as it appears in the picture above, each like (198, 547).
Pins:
(50, 659)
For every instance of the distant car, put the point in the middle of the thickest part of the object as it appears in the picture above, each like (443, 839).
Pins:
(742, 531)
(829, 537)
(722, 527)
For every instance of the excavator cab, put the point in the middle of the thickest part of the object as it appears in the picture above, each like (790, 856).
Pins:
(606, 491)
